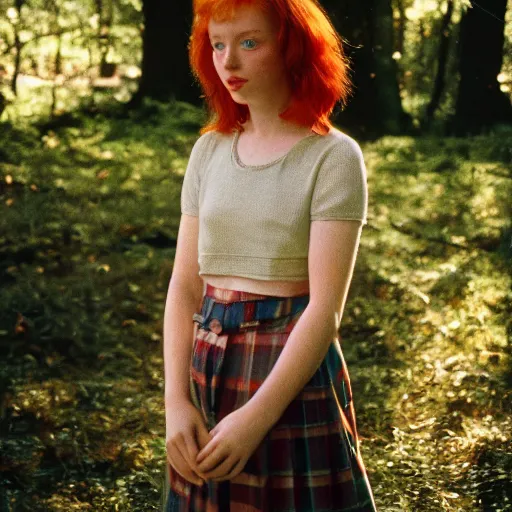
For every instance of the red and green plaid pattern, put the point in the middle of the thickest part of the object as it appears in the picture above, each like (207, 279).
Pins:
(310, 460)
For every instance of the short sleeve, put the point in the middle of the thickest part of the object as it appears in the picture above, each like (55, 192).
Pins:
(191, 180)
(341, 189)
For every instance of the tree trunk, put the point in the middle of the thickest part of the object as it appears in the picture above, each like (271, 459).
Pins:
(105, 13)
(480, 102)
(439, 84)
(375, 108)
(18, 45)
(416, 82)
(399, 28)
(166, 70)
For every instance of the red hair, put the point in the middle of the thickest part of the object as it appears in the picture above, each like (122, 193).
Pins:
(313, 55)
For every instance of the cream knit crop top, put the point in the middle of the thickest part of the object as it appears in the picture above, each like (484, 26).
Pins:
(254, 220)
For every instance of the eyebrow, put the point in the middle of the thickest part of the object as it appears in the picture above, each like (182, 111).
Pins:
(241, 33)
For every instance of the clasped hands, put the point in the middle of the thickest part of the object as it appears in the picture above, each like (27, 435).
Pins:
(218, 455)
(233, 440)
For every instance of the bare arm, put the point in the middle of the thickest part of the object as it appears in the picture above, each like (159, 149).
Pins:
(332, 256)
(183, 300)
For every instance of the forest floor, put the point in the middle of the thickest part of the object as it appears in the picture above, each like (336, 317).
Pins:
(90, 213)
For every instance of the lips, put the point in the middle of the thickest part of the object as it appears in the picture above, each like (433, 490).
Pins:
(235, 81)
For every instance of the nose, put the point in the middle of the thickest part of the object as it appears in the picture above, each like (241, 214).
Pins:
(230, 59)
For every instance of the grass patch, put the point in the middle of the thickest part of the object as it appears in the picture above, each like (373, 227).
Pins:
(90, 212)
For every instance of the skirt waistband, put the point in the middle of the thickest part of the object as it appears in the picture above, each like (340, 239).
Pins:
(233, 310)
(225, 295)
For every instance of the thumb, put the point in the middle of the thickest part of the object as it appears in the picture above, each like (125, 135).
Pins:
(191, 445)
(203, 436)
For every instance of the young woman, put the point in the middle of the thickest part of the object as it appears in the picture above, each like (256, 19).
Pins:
(259, 410)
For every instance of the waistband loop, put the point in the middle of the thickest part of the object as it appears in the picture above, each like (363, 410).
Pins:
(196, 317)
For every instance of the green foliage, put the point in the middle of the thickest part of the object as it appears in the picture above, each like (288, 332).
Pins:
(437, 293)
(90, 212)
(419, 60)
(70, 54)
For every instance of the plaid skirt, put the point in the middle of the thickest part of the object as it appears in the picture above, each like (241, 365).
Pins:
(310, 460)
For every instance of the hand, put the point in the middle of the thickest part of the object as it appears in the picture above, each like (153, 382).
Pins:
(186, 434)
(235, 438)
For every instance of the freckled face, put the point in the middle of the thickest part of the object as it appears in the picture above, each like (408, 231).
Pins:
(251, 55)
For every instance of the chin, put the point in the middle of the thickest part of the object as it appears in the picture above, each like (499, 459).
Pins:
(240, 102)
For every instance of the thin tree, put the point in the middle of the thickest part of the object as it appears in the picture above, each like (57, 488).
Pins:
(367, 27)
(440, 80)
(18, 45)
(480, 102)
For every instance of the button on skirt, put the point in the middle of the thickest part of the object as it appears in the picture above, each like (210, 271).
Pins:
(310, 460)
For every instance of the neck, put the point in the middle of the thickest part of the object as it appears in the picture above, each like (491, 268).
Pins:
(268, 132)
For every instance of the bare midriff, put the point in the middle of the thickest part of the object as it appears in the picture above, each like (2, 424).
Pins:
(275, 288)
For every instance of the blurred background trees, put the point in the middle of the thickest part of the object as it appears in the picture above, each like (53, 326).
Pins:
(418, 65)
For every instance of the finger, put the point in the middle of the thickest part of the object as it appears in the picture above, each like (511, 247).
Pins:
(206, 451)
(203, 436)
(192, 450)
(236, 470)
(206, 437)
(191, 465)
(191, 447)
(181, 444)
(172, 453)
(223, 471)
(212, 460)
(182, 467)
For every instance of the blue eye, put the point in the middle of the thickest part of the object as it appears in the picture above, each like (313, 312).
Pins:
(250, 40)
(215, 44)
